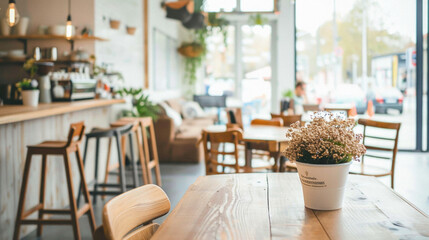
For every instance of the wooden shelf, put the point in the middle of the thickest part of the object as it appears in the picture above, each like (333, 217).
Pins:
(21, 61)
(50, 37)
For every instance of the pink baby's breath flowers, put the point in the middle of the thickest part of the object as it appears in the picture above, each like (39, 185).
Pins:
(327, 139)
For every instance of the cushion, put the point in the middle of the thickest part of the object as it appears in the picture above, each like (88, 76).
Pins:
(177, 119)
(192, 110)
(176, 104)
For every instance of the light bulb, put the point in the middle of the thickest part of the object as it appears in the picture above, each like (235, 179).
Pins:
(69, 28)
(12, 15)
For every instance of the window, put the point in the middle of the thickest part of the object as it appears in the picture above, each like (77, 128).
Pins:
(363, 53)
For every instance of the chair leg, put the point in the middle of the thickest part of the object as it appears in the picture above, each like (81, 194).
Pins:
(80, 185)
(143, 164)
(72, 199)
(21, 203)
(42, 193)
(121, 167)
(106, 174)
(133, 162)
(392, 181)
(90, 212)
(95, 193)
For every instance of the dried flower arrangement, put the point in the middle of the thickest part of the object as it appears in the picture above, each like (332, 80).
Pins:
(327, 139)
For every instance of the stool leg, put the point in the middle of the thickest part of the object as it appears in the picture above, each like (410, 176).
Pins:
(42, 194)
(155, 155)
(121, 167)
(142, 157)
(84, 160)
(95, 193)
(22, 195)
(73, 207)
(133, 163)
(90, 212)
(106, 174)
(147, 156)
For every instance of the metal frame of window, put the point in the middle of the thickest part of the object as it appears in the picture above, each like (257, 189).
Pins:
(419, 78)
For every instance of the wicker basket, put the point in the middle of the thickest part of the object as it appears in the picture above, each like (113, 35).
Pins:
(191, 51)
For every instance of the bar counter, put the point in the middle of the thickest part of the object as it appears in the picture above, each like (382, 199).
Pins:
(21, 126)
(17, 113)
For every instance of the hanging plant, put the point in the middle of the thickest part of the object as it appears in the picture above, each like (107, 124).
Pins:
(195, 51)
(257, 19)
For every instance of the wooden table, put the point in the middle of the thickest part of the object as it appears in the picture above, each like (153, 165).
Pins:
(269, 138)
(271, 206)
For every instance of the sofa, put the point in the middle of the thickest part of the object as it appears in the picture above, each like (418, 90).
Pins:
(178, 140)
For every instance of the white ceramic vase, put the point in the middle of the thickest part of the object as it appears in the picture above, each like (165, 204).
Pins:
(323, 185)
(30, 97)
(5, 29)
(23, 26)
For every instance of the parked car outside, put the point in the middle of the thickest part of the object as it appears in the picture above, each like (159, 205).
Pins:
(387, 98)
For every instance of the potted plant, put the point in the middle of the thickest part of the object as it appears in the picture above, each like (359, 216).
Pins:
(142, 106)
(29, 91)
(323, 150)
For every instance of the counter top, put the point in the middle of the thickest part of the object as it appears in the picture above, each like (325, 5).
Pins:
(18, 113)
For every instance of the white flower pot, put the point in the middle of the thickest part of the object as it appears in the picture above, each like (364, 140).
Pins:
(30, 97)
(323, 184)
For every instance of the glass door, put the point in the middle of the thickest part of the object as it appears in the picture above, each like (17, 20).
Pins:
(256, 69)
(362, 53)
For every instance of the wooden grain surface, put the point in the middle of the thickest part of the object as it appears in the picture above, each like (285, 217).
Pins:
(232, 206)
(271, 206)
(17, 113)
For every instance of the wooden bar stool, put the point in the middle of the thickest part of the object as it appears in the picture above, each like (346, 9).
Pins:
(135, 131)
(117, 133)
(151, 160)
(63, 148)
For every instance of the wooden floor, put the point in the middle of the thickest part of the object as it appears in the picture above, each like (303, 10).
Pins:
(412, 182)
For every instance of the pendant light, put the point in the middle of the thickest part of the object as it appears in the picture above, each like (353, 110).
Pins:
(69, 26)
(12, 15)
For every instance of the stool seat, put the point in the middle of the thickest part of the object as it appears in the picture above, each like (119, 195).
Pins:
(49, 144)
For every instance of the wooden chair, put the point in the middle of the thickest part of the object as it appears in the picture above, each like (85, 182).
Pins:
(151, 159)
(136, 132)
(375, 151)
(278, 122)
(118, 133)
(63, 148)
(235, 116)
(286, 165)
(212, 141)
(287, 119)
(129, 215)
(260, 149)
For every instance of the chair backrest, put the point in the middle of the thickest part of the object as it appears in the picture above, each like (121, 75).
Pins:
(212, 141)
(278, 122)
(234, 116)
(76, 132)
(380, 125)
(124, 213)
(287, 119)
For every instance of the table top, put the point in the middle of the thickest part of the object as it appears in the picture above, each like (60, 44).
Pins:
(338, 106)
(257, 133)
(271, 206)
(18, 113)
